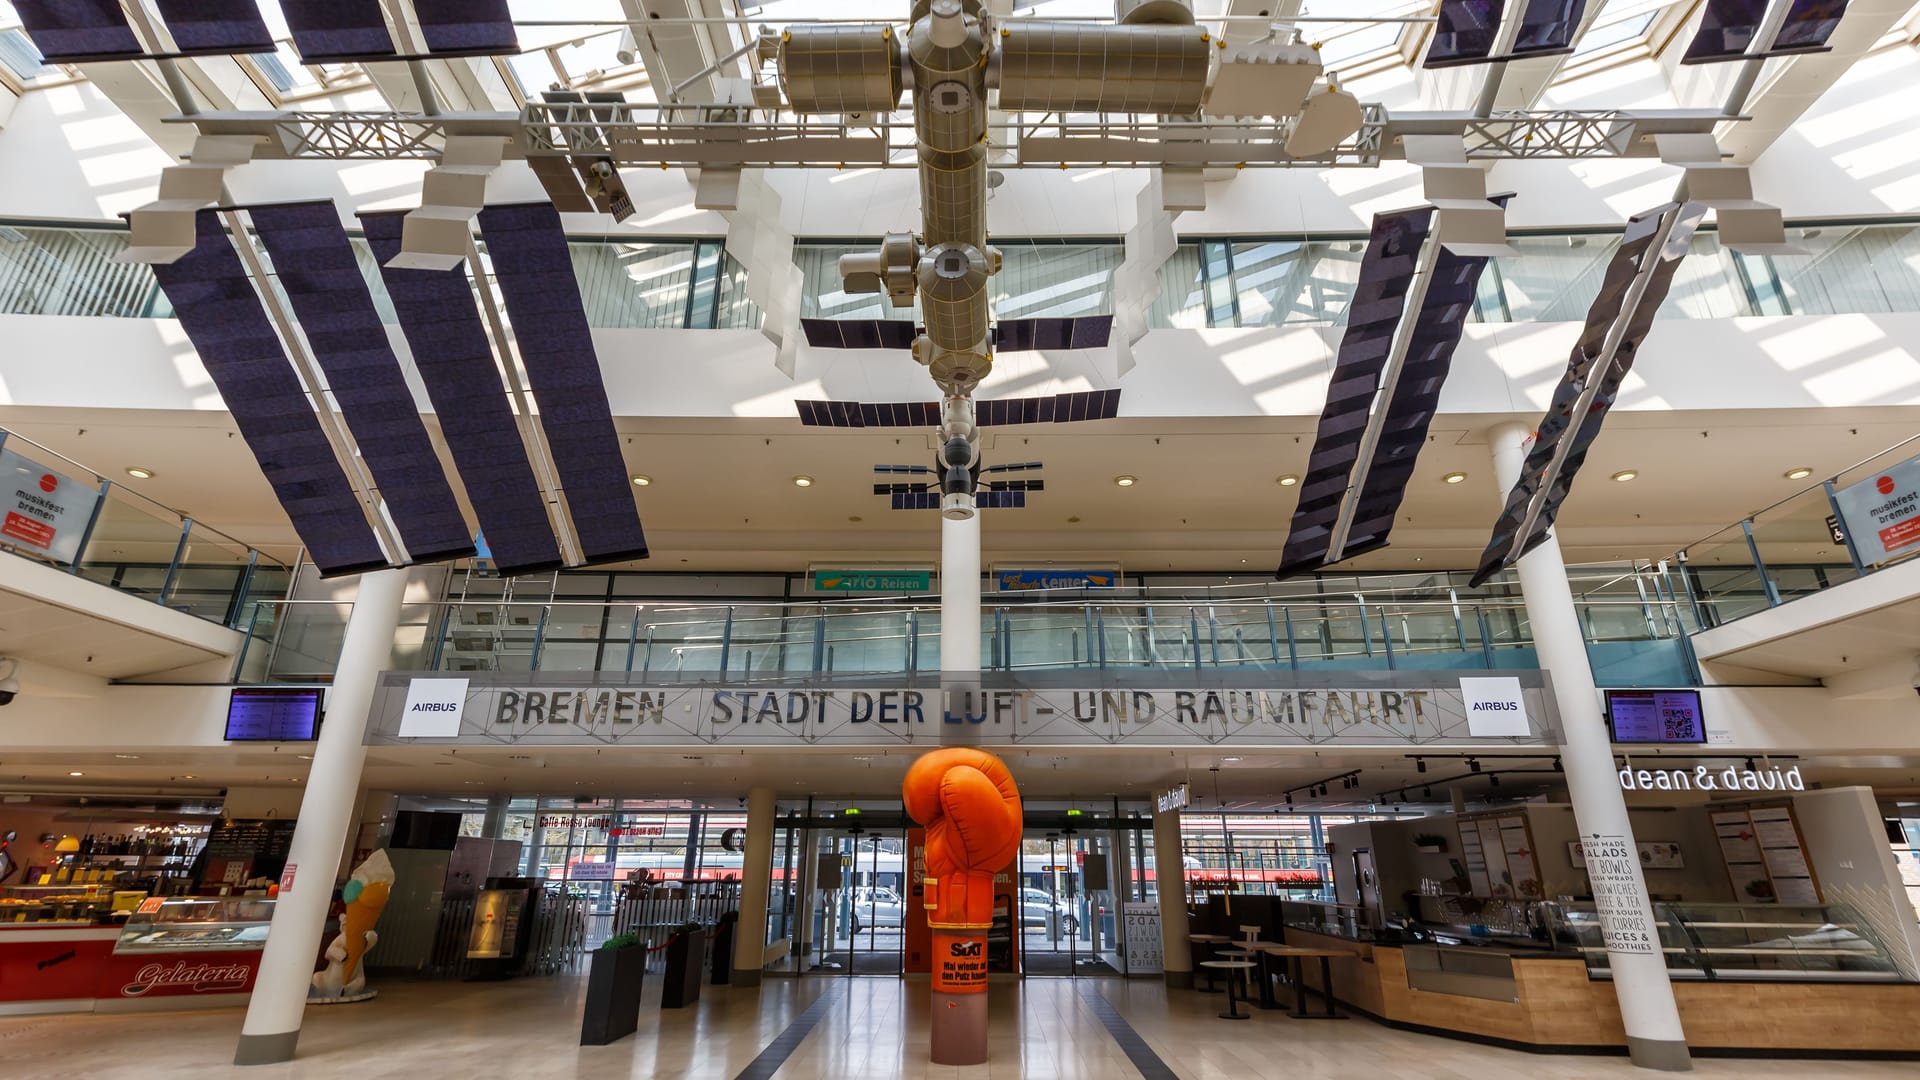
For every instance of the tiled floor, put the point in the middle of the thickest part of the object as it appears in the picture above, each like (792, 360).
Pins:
(875, 1028)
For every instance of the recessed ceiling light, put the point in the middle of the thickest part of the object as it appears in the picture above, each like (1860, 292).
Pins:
(1799, 472)
(1454, 477)
(641, 479)
(1625, 475)
(1125, 480)
(139, 473)
(1288, 480)
(803, 481)
(128, 757)
(1229, 759)
(76, 774)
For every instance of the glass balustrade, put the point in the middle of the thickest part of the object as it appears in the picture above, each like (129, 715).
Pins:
(666, 283)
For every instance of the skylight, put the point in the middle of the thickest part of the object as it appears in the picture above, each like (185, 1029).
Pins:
(19, 55)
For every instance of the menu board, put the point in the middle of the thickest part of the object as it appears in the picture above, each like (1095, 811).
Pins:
(249, 848)
(1499, 856)
(1476, 862)
(1766, 861)
(1656, 716)
(1521, 865)
(1143, 937)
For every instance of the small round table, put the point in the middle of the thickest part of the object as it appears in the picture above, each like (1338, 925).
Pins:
(1209, 942)
(1255, 951)
(1234, 969)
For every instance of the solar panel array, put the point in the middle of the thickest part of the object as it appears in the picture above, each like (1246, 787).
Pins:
(1028, 335)
(73, 30)
(859, 333)
(220, 311)
(316, 267)
(1386, 272)
(534, 267)
(983, 500)
(455, 361)
(859, 414)
(332, 31)
(1465, 30)
(216, 27)
(1728, 29)
(1560, 423)
(1058, 409)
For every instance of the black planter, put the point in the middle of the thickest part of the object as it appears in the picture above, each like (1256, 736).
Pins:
(613, 995)
(686, 955)
(722, 960)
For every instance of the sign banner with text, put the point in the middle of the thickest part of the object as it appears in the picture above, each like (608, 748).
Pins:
(43, 512)
(1028, 580)
(1882, 513)
(1067, 708)
(873, 581)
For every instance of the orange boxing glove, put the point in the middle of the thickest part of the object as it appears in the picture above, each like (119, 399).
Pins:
(967, 801)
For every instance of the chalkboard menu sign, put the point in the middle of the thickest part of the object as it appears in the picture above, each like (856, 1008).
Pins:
(241, 849)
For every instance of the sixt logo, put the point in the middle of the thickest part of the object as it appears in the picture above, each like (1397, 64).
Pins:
(964, 949)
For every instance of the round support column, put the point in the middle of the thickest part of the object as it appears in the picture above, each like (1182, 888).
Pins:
(272, 1026)
(1170, 885)
(1640, 981)
(756, 880)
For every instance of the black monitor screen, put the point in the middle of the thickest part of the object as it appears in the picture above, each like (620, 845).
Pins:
(1656, 716)
(273, 715)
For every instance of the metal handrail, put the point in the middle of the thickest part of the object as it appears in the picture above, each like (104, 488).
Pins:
(1816, 486)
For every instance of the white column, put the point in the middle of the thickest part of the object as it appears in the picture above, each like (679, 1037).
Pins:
(272, 1027)
(1170, 883)
(1654, 1037)
(960, 594)
(756, 878)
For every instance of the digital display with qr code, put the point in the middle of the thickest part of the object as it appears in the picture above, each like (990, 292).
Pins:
(1656, 716)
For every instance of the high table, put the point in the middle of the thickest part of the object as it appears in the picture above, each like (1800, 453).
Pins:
(1234, 969)
(1293, 956)
(1209, 941)
(1256, 952)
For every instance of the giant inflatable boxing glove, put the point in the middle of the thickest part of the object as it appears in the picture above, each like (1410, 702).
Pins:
(967, 801)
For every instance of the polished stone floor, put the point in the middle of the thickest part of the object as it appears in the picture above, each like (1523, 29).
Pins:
(870, 1028)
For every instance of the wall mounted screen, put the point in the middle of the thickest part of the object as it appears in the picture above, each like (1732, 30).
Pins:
(1656, 716)
(277, 714)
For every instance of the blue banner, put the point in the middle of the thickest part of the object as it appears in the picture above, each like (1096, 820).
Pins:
(1022, 580)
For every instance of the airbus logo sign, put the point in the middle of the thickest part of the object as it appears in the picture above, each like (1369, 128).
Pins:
(434, 708)
(1494, 707)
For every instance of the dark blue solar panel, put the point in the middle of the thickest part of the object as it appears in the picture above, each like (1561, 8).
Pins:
(455, 360)
(1547, 26)
(1726, 30)
(1464, 31)
(222, 315)
(69, 30)
(535, 271)
(1808, 24)
(1560, 421)
(1386, 270)
(1416, 395)
(315, 265)
(216, 26)
(466, 27)
(328, 30)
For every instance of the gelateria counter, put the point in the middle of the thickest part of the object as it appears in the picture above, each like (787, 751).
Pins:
(1785, 925)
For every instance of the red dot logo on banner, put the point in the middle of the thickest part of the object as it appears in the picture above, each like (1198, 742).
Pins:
(49, 482)
(1885, 484)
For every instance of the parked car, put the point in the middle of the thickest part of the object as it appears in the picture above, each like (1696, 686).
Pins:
(1037, 904)
(876, 907)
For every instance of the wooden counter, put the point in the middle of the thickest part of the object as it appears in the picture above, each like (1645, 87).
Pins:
(1559, 1008)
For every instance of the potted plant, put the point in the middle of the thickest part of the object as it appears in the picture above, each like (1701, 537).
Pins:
(1430, 843)
(614, 978)
(686, 956)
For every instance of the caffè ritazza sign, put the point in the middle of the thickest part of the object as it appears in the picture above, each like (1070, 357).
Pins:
(1371, 709)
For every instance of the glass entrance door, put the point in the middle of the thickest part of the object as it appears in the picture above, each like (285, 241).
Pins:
(859, 902)
(1072, 883)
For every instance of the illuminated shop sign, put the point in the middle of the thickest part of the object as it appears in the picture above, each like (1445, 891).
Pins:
(1706, 778)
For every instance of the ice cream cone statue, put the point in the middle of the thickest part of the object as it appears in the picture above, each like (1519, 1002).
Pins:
(345, 977)
(967, 801)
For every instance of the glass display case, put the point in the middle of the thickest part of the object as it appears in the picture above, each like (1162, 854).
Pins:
(1782, 942)
(68, 903)
(198, 924)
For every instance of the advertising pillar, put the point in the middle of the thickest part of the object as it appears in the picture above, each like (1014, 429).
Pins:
(272, 1026)
(756, 880)
(1170, 887)
(967, 802)
(1654, 1036)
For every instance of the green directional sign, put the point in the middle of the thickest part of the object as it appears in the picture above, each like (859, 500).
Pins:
(873, 581)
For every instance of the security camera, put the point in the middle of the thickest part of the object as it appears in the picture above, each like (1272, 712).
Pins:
(9, 684)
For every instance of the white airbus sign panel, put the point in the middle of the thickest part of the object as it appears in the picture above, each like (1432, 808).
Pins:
(1495, 707)
(433, 709)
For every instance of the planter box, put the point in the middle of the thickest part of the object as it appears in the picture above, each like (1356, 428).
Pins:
(614, 980)
(686, 956)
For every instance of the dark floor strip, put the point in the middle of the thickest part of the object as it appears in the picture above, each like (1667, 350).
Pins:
(784, 1044)
(1131, 1044)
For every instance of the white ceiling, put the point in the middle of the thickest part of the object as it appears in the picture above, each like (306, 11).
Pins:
(722, 496)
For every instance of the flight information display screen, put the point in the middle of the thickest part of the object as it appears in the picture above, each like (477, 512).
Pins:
(1656, 716)
(273, 715)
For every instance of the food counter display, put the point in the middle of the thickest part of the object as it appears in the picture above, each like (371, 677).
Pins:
(1811, 978)
(169, 953)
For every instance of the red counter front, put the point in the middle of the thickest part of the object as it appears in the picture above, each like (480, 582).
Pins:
(72, 968)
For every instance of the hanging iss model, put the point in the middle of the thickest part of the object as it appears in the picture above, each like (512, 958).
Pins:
(1155, 61)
